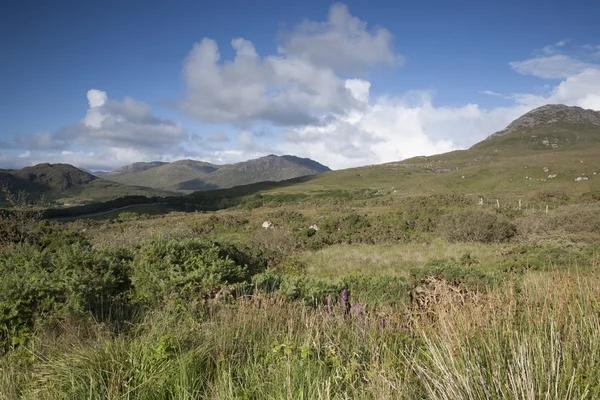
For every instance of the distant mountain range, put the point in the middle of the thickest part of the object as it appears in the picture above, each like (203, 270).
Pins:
(190, 175)
(66, 183)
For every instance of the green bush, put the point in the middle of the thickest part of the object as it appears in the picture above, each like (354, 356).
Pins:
(524, 257)
(477, 225)
(185, 270)
(42, 285)
(376, 289)
(296, 286)
(456, 274)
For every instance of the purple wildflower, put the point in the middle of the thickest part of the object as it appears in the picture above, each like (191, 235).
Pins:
(345, 301)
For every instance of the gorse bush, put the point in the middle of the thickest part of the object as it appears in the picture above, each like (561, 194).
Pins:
(41, 286)
(186, 270)
(477, 225)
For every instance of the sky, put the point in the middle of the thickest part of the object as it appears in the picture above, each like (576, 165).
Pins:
(103, 84)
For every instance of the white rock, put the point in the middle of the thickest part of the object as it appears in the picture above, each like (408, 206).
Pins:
(267, 224)
(315, 227)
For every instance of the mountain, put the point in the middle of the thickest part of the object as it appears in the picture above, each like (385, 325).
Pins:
(185, 175)
(554, 148)
(47, 177)
(553, 116)
(136, 167)
(65, 183)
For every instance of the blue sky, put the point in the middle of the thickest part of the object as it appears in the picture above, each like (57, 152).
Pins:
(102, 84)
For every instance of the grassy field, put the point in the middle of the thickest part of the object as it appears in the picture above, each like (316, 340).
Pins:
(362, 297)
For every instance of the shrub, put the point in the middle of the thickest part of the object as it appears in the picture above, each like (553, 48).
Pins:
(550, 196)
(377, 289)
(296, 287)
(477, 225)
(185, 270)
(18, 224)
(537, 257)
(43, 285)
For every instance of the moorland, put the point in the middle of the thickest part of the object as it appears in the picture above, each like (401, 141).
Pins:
(467, 275)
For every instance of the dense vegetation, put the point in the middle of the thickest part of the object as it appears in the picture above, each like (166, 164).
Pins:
(344, 295)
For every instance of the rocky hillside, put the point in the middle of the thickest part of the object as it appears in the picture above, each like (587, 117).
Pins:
(196, 175)
(552, 115)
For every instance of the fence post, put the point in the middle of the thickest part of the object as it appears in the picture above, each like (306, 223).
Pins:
(498, 203)
(546, 208)
(519, 204)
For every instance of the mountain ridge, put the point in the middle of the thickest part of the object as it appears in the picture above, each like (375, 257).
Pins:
(186, 175)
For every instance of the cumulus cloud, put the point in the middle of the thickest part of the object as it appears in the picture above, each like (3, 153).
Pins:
(118, 131)
(395, 128)
(125, 124)
(300, 85)
(280, 90)
(343, 42)
(582, 90)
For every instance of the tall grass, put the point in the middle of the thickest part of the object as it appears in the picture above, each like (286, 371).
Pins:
(539, 339)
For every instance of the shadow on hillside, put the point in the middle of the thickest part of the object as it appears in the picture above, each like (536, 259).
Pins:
(206, 200)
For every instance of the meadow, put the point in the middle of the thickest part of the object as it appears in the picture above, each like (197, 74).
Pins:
(347, 295)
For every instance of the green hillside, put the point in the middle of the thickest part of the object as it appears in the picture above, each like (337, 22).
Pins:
(65, 184)
(548, 157)
(190, 175)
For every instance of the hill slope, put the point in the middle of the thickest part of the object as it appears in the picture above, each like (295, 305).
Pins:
(547, 149)
(66, 184)
(188, 175)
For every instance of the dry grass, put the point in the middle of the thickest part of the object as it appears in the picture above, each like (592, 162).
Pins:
(391, 259)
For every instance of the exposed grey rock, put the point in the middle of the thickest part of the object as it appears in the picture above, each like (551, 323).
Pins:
(551, 114)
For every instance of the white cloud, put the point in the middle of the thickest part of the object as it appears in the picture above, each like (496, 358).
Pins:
(558, 61)
(395, 128)
(96, 98)
(298, 86)
(582, 90)
(342, 42)
(557, 66)
(126, 124)
(118, 132)
(280, 90)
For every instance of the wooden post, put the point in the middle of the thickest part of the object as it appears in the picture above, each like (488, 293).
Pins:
(519, 204)
(546, 208)
(498, 203)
